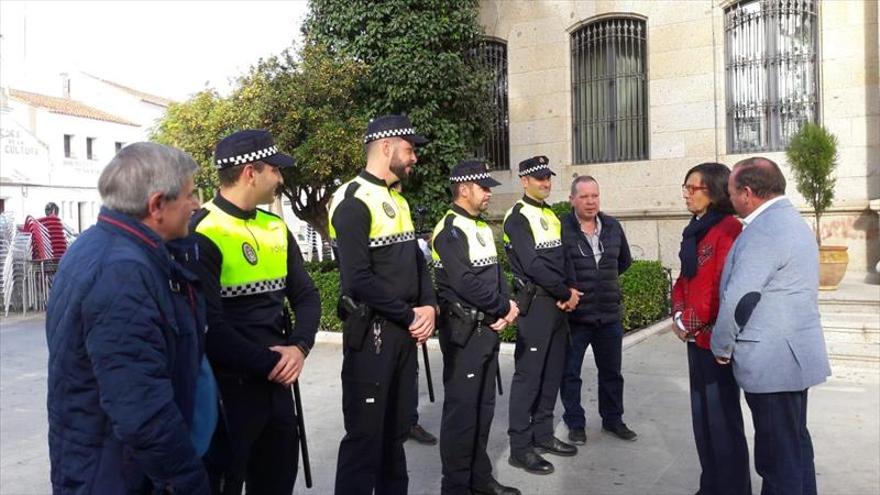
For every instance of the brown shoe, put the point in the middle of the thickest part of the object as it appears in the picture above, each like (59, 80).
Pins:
(417, 433)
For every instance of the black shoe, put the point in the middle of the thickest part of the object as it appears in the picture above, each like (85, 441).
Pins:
(577, 436)
(531, 462)
(621, 431)
(496, 488)
(555, 446)
(417, 433)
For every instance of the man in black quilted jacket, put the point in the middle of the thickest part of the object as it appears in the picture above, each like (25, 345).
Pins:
(600, 253)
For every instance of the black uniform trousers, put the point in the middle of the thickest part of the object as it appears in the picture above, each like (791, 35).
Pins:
(376, 405)
(257, 442)
(468, 409)
(718, 425)
(783, 447)
(541, 341)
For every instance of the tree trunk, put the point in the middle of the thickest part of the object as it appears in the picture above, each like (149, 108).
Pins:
(818, 231)
(313, 210)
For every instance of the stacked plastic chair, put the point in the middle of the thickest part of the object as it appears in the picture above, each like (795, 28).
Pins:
(57, 235)
(7, 240)
(41, 242)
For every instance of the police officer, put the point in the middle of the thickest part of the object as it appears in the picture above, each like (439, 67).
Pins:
(249, 263)
(388, 306)
(474, 306)
(544, 278)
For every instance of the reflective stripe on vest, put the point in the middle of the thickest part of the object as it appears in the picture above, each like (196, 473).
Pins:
(481, 241)
(544, 224)
(254, 251)
(390, 220)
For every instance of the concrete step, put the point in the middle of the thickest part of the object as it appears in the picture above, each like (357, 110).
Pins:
(853, 321)
(853, 351)
(850, 336)
(853, 296)
(846, 306)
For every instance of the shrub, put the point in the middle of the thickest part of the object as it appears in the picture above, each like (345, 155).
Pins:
(561, 208)
(645, 288)
(327, 283)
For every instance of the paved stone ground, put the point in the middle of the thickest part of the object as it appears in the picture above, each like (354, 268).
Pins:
(844, 420)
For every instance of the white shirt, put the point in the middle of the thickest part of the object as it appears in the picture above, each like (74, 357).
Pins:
(753, 215)
(593, 239)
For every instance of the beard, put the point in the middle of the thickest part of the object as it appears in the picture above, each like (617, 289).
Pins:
(398, 168)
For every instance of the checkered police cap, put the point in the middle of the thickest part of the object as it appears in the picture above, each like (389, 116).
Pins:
(538, 166)
(472, 171)
(249, 146)
(388, 126)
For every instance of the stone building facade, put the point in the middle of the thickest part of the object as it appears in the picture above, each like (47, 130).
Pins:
(635, 92)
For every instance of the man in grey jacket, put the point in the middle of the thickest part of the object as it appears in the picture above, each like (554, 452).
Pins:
(768, 324)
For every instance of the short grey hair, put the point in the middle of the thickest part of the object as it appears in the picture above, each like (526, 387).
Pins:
(138, 171)
(577, 180)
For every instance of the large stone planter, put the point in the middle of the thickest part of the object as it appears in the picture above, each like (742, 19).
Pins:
(832, 266)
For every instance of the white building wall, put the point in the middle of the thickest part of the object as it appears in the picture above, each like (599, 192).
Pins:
(96, 93)
(69, 182)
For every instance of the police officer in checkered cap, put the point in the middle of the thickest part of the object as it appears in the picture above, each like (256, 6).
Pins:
(249, 264)
(475, 305)
(388, 307)
(544, 281)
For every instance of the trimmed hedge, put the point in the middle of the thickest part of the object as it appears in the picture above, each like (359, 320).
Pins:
(645, 288)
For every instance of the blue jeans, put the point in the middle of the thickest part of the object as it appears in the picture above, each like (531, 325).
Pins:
(606, 339)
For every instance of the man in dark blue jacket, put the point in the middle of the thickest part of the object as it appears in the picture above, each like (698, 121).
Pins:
(599, 252)
(124, 327)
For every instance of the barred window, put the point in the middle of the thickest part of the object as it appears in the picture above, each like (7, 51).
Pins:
(772, 72)
(496, 148)
(609, 91)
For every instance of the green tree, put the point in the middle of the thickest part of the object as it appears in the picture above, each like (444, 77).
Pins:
(195, 126)
(418, 54)
(307, 100)
(311, 107)
(812, 156)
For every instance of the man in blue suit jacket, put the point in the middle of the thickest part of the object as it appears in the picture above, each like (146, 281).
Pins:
(768, 324)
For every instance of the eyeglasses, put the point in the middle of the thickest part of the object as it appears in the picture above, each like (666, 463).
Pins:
(592, 254)
(689, 189)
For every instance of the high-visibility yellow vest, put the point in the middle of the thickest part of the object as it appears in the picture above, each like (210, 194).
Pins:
(254, 251)
(390, 220)
(481, 241)
(543, 222)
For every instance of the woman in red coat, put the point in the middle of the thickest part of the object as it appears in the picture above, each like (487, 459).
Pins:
(715, 396)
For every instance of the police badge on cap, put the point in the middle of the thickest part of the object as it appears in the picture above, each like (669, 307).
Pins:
(536, 166)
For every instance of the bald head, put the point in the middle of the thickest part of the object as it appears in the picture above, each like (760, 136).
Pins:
(761, 175)
(753, 182)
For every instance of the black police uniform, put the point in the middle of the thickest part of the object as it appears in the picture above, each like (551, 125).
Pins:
(257, 440)
(384, 273)
(532, 237)
(472, 294)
